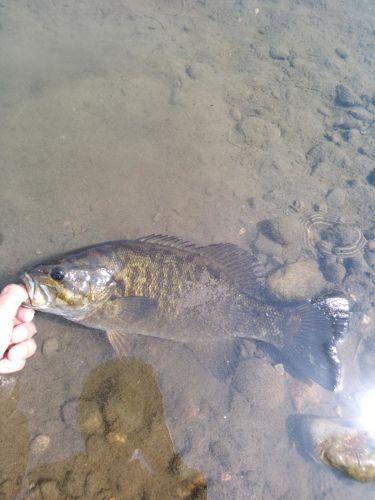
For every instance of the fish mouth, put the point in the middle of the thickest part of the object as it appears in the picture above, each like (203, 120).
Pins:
(39, 294)
(30, 287)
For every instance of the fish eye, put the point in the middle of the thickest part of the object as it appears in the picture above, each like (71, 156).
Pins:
(57, 274)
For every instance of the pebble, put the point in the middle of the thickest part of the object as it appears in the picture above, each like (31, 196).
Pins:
(8, 489)
(370, 259)
(297, 281)
(235, 113)
(335, 137)
(96, 446)
(69, 413)
(117, 438)
(341, 53)
(90, 417)
(257, 131)
(365, 320)
(370, 233)
(355, 137)
(49, 489)
(324, 111)
(371, 177)
(346, 97)
(50, 346)
(367, 366)
(116, 413)
(279, 54)
(39, 444)
(1, 238)
(156, 217)
(336, 197)
(191, 71)
(219, 450)
(371, 245)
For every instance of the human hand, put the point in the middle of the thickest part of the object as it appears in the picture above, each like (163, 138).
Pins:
(16, 329)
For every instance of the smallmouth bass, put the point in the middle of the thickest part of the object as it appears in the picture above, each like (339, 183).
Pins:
(172, 289)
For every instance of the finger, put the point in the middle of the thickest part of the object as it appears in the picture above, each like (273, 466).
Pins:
(21, 351)
(10, 299)
(7, 366)
(25, 314)
(22, 332)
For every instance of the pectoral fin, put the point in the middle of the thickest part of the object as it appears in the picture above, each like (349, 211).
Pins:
(135, 308)
(120, 341)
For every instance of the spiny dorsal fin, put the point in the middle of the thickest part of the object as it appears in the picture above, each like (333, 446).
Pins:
(241, 266)
(167, 241)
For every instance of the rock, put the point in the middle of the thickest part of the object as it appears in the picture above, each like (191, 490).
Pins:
(371, 177)
(336, 198)
(260, 383)
(362, 114)
(50, 346)
(284, 230)
(90, 417)
(297, 281)
(334, 272)
(346, 97)
(268, 247)
(341, 53)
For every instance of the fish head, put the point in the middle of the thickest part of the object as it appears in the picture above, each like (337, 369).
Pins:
(72, 289)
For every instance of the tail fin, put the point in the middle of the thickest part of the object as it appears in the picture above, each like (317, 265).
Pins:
(313, 330)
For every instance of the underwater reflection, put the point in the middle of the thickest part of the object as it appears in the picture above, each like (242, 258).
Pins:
(128, 453)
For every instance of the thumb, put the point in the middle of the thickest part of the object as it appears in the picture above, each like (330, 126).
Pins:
(10, 300)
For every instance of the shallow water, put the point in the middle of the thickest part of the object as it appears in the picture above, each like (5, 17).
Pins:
(198, 119)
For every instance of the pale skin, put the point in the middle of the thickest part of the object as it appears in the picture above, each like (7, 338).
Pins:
(16, 329)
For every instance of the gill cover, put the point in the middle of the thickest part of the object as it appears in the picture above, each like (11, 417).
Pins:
(67, 289)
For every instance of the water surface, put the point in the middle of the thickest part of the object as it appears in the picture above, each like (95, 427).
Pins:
(197, 119)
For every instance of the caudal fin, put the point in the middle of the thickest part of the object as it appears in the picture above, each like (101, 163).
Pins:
(313, 330)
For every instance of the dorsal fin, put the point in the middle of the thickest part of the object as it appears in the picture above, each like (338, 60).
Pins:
(241, 266)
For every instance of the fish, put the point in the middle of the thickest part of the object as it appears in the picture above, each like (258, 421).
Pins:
(165, 287)
(341, 444)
